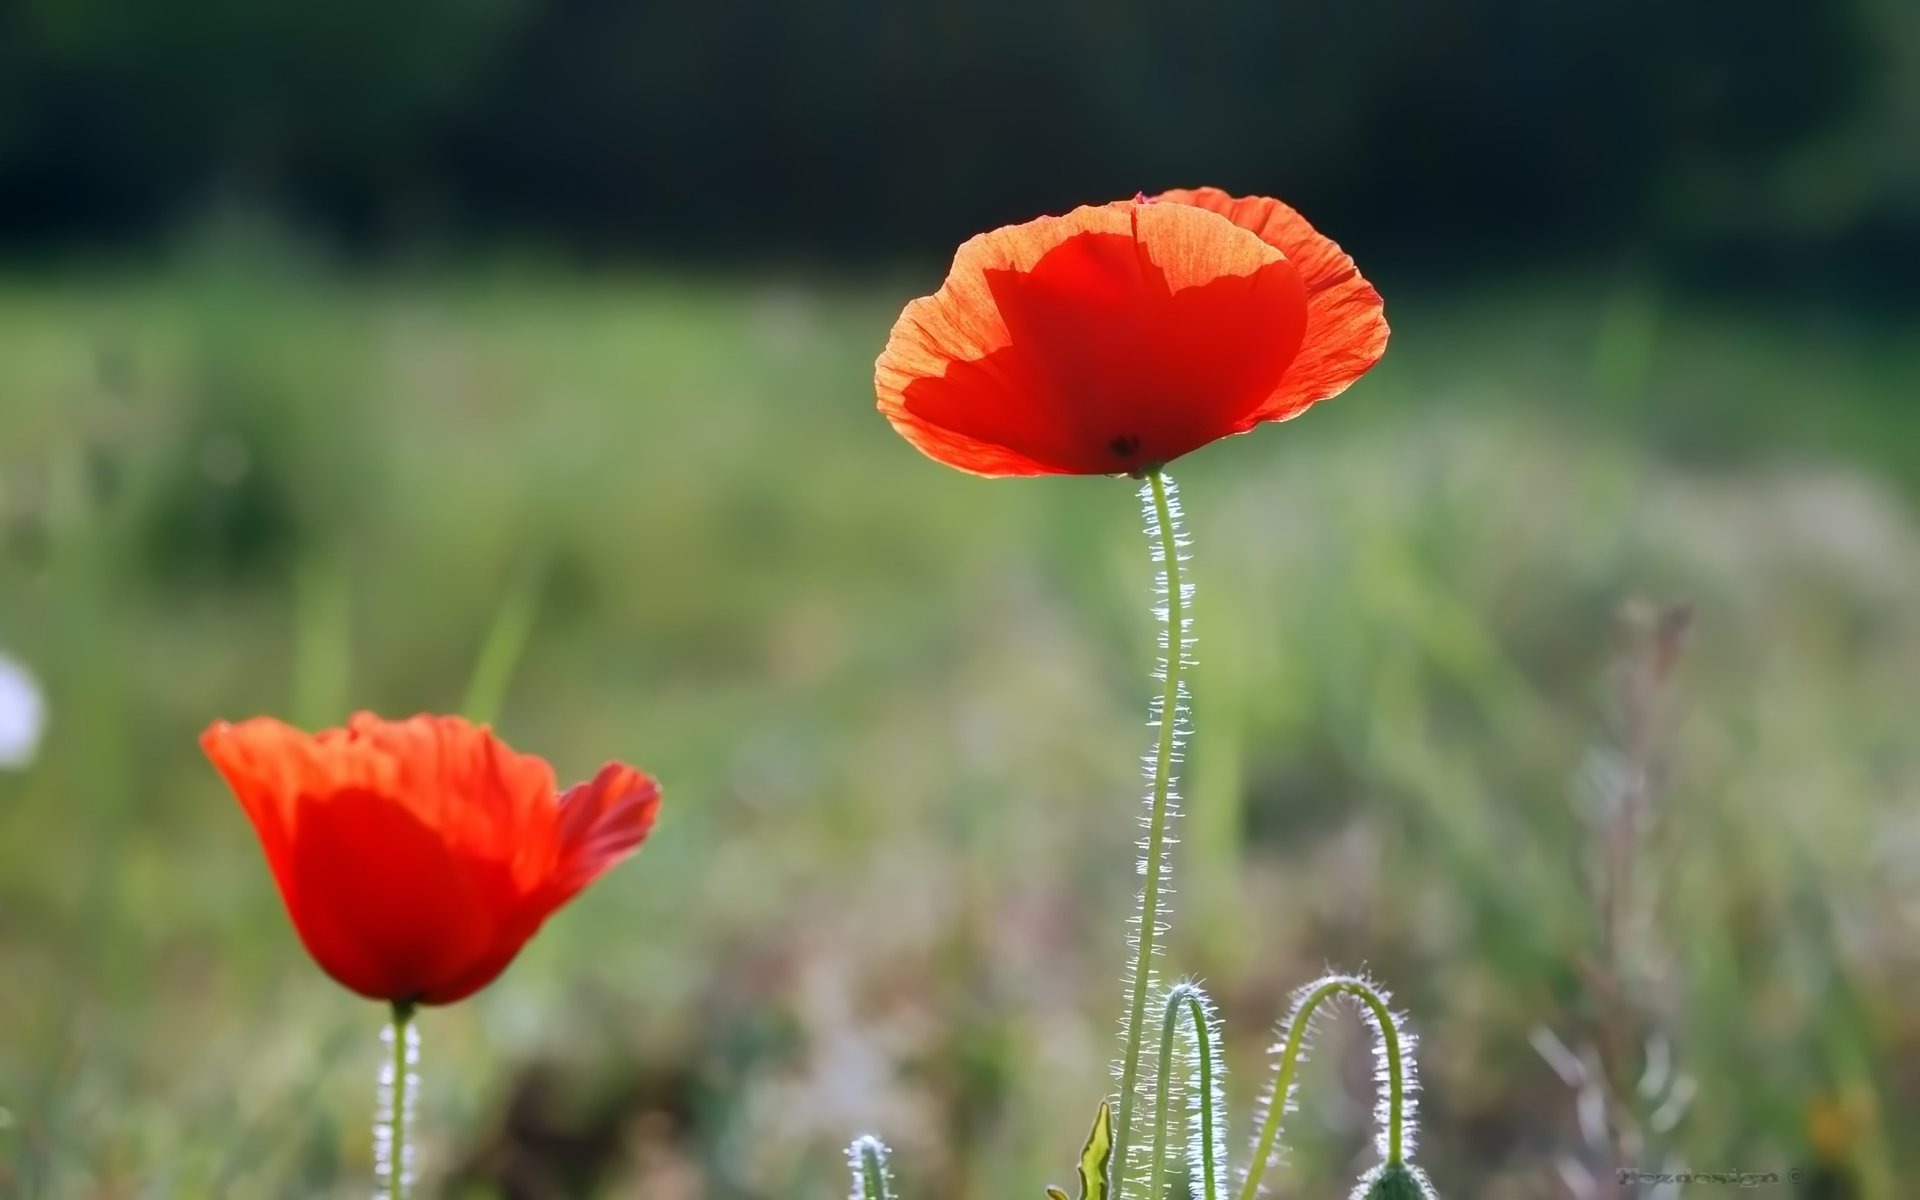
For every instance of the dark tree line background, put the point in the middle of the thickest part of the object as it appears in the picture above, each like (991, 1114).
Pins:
(1448, 131)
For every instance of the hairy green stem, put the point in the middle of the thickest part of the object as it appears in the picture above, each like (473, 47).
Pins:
(1209, 1119)
(1290, 1054)
(1156, 826)
(1156, 1182)
(397, 1098)
(869, 1164)
(1185, 998)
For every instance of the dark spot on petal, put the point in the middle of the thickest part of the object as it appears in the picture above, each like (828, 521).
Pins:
(1124, 446)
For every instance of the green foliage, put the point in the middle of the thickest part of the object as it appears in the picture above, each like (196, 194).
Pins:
(1096, 1158)
(892, 708)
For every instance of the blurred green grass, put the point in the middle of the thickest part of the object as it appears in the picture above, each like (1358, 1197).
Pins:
(896, 712)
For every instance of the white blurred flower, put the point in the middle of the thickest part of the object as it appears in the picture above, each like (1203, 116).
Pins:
(23, 715)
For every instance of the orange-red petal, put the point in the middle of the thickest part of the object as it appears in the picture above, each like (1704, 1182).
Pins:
(601, 822)
(386, 905)
(1346, 330)
(1110, 340)
(416, 857)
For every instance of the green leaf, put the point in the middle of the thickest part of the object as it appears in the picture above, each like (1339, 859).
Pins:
(1094, 1157)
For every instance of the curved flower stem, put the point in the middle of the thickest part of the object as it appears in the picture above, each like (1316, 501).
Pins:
(1156, 1182)
(1204, 1148)
(393, 1158)
(1310, 999)
(1211, 1157)
(1167, 552)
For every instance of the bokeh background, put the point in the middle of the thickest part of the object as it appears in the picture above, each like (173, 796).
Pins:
(513, 357)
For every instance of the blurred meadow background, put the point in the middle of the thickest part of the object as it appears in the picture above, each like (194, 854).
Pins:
(514, 357)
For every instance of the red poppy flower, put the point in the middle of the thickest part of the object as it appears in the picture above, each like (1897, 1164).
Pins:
(1119, 337)
(416, 857)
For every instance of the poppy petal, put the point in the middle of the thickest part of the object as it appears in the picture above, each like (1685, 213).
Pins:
(1346, 321)
(601, 822)
(269, 765)
(457, 775)
(416, 857)
(1106, 341)
(384, 904)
